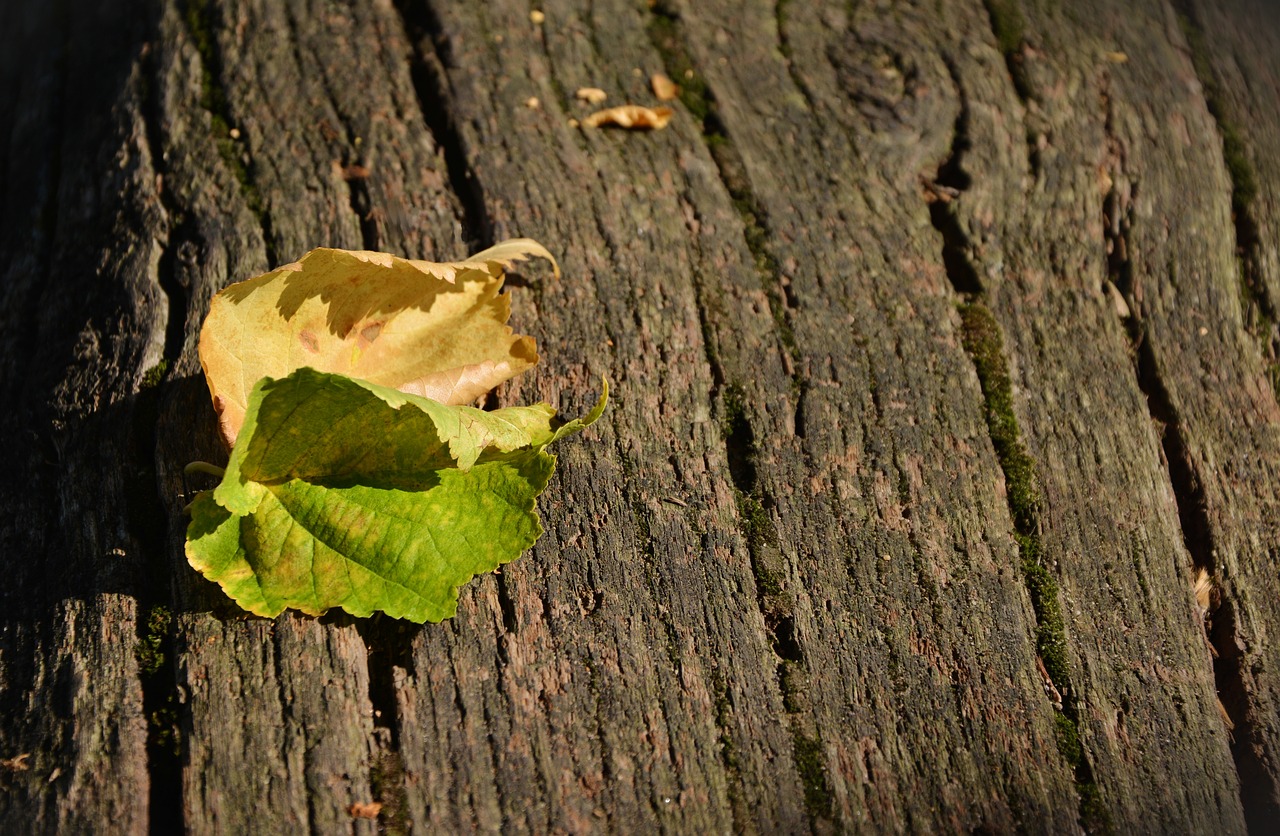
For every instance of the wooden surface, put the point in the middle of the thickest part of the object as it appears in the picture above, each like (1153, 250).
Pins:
(944, 349)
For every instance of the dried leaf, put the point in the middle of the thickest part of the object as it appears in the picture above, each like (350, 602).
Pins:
(633, 117)
(17, 763)
(663, 87)
(1202, 585)
(436, 330)
(591, 95)
(360, 810)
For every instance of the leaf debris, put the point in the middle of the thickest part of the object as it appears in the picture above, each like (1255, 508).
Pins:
(663, 87)
(591, 95)
(365, 810)
(631, 117)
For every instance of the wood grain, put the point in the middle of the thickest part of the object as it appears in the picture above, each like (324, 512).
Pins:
(830, 562)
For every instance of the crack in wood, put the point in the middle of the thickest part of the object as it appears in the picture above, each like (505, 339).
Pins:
(1186, 484)
(983, 343)
(784, 48)
(355, 172)
(431, 56)
(947, 185)
(213, 98)
(1260, 315)
(389, 647)
(157, 633)
(767, 562)
(1009, 28)
(665, 35)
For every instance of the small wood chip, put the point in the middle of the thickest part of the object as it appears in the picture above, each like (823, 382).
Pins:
(1118, 301)
(1117, 57)
(532, 103)
(591, 95)
(365, 811)
(664, 88)
(632, 117)
(536, 16)
(355, 172)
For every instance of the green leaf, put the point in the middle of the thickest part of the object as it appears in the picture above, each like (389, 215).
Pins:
(343, 493)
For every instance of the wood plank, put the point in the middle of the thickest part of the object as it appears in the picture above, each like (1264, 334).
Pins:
(1107, 522)
(885, 89)
(83, 317)
(781, 587)
(852, 721)
(290, 702)
(1234, 48)
(73, 713)
(1224, 417)
(597, 668)
(279, 725)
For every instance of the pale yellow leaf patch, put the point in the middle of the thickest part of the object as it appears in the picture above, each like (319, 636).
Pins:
(433, 329)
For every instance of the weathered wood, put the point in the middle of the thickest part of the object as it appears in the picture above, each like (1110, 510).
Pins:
(82, 316)
(1232, 442)
(280, 729)
(74, 739)
(1038, 194)
(925, 324)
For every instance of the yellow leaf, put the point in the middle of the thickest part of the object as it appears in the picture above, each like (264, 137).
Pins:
(433, 329)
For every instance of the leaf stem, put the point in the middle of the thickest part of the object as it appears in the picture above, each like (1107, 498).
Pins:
(204, 467)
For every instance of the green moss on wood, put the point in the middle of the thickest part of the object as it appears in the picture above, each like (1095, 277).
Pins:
(164, 735)
(794, 683)
(664, 33)
(1068, 740)
(213, 99)
(1093, 812)
(154, 376)
(1008, 24)
(696, 96)
(150, 648)
(812, 768)
(1244, 184)
(983, 342)
(386, 781)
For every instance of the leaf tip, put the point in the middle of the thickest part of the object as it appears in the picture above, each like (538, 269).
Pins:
(598, 410)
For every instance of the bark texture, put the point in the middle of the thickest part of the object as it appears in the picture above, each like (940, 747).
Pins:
(943, 340)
